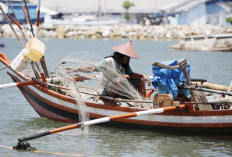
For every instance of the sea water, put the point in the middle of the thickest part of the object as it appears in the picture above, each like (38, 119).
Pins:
(18, 119)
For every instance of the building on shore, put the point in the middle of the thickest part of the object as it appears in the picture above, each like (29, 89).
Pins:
(109, 8)
(17, 7)
(213, 12)
(151, 12)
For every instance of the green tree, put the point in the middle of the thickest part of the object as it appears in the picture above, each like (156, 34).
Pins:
(127, 5)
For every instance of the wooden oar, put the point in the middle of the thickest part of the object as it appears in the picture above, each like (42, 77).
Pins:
(23, 144)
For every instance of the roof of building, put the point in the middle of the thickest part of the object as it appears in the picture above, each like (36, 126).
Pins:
(227, 6)
(184, 6)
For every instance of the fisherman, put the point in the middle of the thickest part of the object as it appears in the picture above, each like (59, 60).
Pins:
(120, 61)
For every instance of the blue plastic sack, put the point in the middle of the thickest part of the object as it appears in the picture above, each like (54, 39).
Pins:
(167, 80)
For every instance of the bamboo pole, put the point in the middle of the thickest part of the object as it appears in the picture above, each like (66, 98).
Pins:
(210, 90)
(17, 84)
(42, 60)
(13, 11)
(93, 122)
(43, 76)
(11, 26)
(25, 14)
(29, 18)
(210, 86)
(25, 36)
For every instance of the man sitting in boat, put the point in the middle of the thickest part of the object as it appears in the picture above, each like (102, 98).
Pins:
(120, 62)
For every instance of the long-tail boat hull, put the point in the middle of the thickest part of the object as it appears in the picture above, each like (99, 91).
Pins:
(61, 108)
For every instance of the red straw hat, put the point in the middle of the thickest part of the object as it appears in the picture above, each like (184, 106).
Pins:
(126, 49)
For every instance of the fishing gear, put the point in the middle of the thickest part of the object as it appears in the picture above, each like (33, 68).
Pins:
(4, 68)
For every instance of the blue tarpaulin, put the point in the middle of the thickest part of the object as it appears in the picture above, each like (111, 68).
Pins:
(168, 80)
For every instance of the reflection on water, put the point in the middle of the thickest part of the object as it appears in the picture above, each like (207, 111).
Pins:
(19, 119)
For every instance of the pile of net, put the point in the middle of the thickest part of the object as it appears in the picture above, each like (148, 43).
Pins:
(80, 75)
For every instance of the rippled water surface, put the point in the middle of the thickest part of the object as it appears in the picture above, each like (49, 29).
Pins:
(17, 118)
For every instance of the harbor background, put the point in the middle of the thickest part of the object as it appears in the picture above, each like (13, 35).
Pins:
(106, 19)
(19, 119)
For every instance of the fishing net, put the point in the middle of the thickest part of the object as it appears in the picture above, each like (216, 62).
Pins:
(102, 81)
(71, 89)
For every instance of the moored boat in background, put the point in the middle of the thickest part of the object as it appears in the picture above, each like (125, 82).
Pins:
(218, 42)
(2, 45)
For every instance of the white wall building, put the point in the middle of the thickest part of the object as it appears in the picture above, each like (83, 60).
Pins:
(104, 6)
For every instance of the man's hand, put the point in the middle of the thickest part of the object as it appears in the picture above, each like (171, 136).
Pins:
(146, 79)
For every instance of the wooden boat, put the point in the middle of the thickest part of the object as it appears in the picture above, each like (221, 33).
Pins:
(221, 42)
(56, 106)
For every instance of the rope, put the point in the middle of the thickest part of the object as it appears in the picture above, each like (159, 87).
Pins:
(46, 152)
(4, 68)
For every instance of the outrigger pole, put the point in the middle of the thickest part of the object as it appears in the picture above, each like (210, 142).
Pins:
(23, 143)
